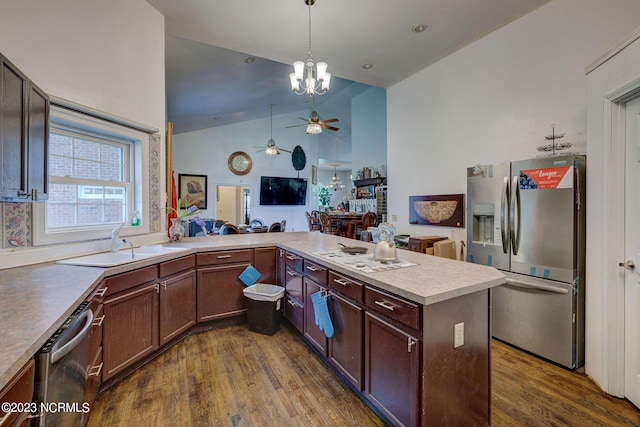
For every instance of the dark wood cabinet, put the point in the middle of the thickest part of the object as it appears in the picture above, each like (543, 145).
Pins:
(264, 260)
(219, 290)
(24, 136)
(346, 346)
(311, 331)
(423, 244)
(130, 331)
(177, 305)
(294, 298)
(392, 370)
(281, 267)
(18, 391)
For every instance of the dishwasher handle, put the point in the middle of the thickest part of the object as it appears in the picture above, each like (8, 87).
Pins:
(60, 349)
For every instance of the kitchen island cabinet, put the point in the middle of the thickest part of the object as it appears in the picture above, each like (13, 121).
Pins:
(453, 382)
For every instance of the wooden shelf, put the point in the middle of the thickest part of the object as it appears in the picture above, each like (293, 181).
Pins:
(370, 181)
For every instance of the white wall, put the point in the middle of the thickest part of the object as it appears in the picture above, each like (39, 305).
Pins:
(369, 130)
(495, 100)
(108, 55)
(206, 152)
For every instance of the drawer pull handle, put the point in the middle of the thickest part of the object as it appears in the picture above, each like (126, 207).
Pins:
(385, 304)
(410, 343)
(98, 321)
(312, 268)
(341, 282)
(291, 273)
(101, 292)
(95, 370)
(292, 258)
(224, 256)
(293, 303)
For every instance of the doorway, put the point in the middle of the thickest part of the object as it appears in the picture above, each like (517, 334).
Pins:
(628, 266)
(233, 203)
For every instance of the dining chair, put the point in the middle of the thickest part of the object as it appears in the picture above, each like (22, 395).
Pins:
(313, 221)
(275, 227)
(256, 222)
(229, 229)
(368, 220)
(329, 226)
(283, 225)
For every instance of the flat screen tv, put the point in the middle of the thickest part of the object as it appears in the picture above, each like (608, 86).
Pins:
(283, 191)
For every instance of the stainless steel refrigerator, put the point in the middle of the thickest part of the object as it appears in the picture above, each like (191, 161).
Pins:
(527, 218)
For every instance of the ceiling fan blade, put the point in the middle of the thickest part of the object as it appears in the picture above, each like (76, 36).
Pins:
(331, 120)
(306, 120)
(329, 127)
(286, 151)
(295, 126)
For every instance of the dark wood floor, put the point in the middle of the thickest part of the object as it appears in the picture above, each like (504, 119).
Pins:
(233, 377)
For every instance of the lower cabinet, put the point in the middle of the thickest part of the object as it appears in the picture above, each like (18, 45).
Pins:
(392, 370)
(311, 331)
(345, 348)
(220, 292)
(130, 331)
(177, 305)
(18, 391)
(264, 260)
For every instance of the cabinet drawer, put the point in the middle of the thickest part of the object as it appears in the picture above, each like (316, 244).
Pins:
(315, 272)
(177, 265)
(125, 281)
(406, 312)
(293, 261)
(294, 312)
(94, 377)
(18, 390)
(347, 287)
(293, 283)
(225, 257)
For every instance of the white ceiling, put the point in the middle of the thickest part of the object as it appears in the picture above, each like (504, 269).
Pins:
(209, 84)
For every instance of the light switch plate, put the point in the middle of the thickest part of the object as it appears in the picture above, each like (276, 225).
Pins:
(458, 335)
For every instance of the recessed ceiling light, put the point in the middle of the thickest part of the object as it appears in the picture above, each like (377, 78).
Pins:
(419, 28)
(249, 60)
(367, 66)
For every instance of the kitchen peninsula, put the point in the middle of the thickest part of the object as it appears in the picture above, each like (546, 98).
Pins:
(452, 384)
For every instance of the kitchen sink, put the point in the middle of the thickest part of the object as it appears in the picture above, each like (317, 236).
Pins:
(112, 259)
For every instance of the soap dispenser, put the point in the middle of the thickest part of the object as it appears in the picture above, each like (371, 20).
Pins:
(135, 220)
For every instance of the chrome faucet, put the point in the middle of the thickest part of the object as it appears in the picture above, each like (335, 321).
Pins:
(115, 238)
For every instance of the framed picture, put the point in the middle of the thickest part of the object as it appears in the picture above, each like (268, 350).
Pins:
(314, 174)
(192, 190)
(443, 210)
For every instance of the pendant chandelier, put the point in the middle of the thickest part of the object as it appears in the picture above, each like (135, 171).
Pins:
(335, 183)
(309, 84)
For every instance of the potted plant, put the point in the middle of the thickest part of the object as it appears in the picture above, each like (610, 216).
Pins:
(324, 198)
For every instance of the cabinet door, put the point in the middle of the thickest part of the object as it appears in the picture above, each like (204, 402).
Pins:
(177, 305)
(130, 329)
(345, 348)
(312, 332)
(37, 144)
(13, 130)
(220, 292)
(392, 370)
(264, 260)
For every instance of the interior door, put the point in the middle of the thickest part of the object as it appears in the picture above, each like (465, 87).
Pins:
(632, 254)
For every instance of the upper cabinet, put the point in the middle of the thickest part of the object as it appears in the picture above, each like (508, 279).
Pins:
(24, 136)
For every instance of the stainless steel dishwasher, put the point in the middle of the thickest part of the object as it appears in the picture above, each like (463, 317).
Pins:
(61, 372)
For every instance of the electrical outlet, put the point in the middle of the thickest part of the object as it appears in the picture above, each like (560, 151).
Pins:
(458, 335)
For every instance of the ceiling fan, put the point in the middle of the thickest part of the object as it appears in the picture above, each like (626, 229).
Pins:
(271, 147)
(314, 124)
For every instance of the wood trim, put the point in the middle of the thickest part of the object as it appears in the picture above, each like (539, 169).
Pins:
(621, 45)
(169, 157)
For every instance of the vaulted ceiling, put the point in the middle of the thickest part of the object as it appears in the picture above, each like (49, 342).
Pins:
(209, 83)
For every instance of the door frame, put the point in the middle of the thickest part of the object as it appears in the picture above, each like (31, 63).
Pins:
(613, 206)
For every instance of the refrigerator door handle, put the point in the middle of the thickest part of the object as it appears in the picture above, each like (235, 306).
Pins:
(504, 215)
(515, 216)
(523, 284)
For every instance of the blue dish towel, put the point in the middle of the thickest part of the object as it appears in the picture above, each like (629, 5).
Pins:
(249, 275)
(321, 313)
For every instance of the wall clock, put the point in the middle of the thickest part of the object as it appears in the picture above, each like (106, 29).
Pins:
(240, 163)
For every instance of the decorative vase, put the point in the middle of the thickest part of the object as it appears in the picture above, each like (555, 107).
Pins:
(176, 231)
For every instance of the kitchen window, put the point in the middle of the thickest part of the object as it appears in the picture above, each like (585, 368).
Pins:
(95, 179)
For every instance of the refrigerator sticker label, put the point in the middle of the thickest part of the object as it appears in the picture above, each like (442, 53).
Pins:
(557, 177)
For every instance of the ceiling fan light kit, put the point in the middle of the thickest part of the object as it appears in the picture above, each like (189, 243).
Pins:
(310, 85)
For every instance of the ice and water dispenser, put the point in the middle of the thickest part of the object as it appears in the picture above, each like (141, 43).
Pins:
(482, 227)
